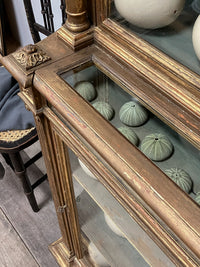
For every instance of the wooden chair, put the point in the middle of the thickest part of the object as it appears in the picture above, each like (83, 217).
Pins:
(16, 134)
(14, 139)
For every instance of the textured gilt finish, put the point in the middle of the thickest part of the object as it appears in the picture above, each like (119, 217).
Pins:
(68, 198)
(167, 88)
(59, 251)
(55, 183)
(28, 94)
(31, 56)
(174, 79)
(76, 40)
(76, 32)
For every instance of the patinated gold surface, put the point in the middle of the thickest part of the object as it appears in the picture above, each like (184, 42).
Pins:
(167, 88)
(30, 56)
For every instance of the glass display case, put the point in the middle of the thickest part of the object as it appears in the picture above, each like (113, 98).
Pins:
(174, 39)
(117, 112)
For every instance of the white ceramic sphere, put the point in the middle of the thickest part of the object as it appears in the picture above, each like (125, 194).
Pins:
(112, 225)
(150, 14)
(86, 170)
(196, 37)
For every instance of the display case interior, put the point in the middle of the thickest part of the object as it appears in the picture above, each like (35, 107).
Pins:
(174, 39)
(111, 236)
(167, 149)
(117, 109)
(145, 181)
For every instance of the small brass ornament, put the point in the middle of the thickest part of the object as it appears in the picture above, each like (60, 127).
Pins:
(30, 56)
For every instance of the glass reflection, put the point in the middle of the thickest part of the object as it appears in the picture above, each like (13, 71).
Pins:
(174, 39)
(166, 148)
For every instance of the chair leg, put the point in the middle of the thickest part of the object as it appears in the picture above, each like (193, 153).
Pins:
(20, 171)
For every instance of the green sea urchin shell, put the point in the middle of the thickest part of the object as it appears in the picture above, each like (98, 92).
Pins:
(181, 178)
(105, 109)
(133, 114)
(86, 90)
(157, 147)
(129, 134)
(197, 198)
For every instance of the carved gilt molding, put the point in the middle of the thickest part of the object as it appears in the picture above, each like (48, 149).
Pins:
(30, 56)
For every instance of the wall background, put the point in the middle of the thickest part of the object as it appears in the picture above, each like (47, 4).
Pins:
(18, 21)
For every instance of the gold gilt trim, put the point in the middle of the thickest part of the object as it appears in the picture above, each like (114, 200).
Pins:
(28, 93)
(30, 56)
(12, 136)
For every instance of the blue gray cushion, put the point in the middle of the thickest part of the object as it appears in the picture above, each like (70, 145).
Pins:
(13, 114)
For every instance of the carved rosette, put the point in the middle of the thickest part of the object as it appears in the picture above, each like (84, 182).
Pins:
(31, 56)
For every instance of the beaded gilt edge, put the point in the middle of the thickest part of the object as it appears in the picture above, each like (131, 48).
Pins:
(12, 136)
(30, 56)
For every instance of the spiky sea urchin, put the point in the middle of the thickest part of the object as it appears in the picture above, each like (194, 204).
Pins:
(105, 109)
(129, 134)
(181, 178)
(86, 90)
(133, 114)
(157, 147)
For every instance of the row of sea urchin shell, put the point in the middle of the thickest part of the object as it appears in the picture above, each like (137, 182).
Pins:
(132, 114)
(88, 92)
(155, 146)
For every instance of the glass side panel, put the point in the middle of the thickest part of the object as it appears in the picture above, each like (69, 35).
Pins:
(174, 39)
(113, 238)
(166, 148)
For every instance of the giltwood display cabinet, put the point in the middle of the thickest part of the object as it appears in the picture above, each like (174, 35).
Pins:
(117, 110)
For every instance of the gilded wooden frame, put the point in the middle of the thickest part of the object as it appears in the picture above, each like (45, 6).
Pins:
(173, 78)
(154, 205)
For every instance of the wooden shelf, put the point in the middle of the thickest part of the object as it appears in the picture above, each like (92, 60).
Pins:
(132, 232)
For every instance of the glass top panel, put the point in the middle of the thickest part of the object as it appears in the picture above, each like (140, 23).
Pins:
(174, 39)
(167, 149)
